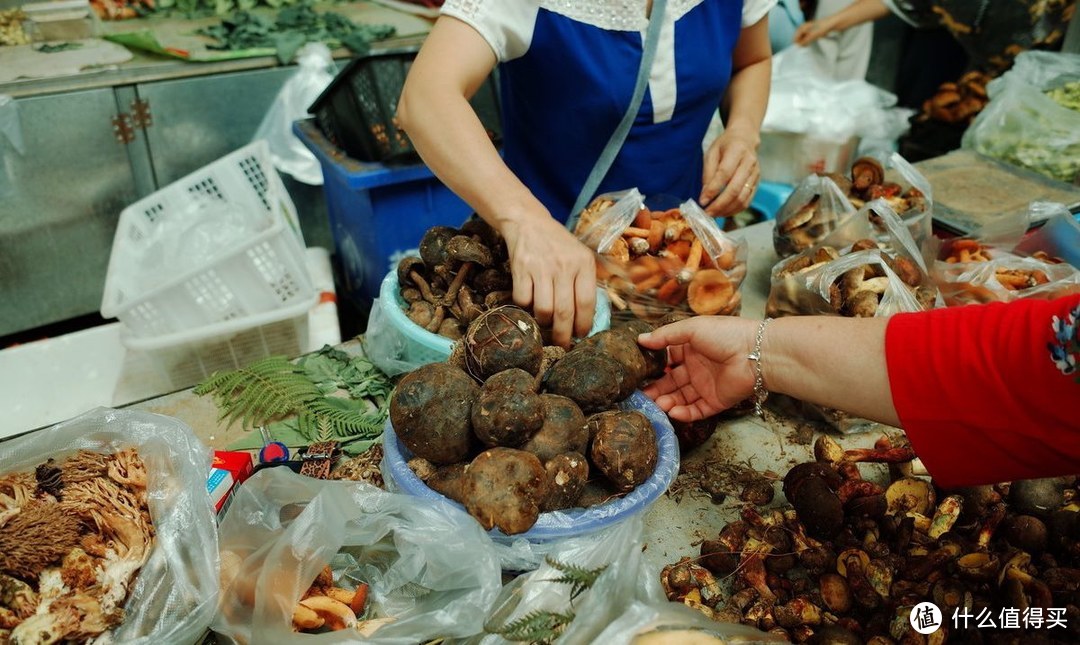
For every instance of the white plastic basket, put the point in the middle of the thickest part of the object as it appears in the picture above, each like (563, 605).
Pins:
(264, 273)
(182, 359)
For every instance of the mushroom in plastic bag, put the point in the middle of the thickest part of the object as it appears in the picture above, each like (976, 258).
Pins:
(656, 263)
(426, 569)
(107, 532)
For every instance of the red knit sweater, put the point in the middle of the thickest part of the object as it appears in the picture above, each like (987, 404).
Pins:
(989, 393)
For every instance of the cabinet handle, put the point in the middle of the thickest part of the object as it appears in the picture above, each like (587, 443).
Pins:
(140, 113)
(123, 129)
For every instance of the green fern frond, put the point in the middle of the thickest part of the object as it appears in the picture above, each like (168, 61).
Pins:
(267, 389)
(347, 421)
(538, 627)
(580, 579)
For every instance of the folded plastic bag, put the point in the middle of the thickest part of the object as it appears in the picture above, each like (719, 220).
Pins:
(175, 593)
(431, 570)
(644, 623)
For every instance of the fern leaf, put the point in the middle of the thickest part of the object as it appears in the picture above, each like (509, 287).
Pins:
(541, 627)
(347, 420)
(261, 392)
(579, 578)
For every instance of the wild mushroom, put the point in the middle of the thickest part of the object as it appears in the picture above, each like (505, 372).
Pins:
(462, 248)
(866, 172)
(433, 245)
(709, 292)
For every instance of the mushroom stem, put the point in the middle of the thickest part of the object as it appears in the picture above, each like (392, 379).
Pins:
(872, 455)
(459, 279)
(423, 286)
(437, 319)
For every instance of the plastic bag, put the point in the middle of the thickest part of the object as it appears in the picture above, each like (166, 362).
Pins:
(1022, 125)
(820, 203)
(804, 98)
(1058, 237)
(824, 280)
(617, 548)
(654, 263)
(175, 594)
(428, 565)
(644, 623)
(291, 104)
(388, 348)
(992, 267)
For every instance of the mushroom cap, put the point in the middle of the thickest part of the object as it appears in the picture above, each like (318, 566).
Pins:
(709, 292)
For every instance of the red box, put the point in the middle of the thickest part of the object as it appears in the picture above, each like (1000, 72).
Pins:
(228, 471)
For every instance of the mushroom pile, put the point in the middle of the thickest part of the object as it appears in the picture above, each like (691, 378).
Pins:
(968, 271)
(459, 274)
(855, 292)
(957, 102)
(818, 217)
(73, 535)
(659, 265)
(510, 428)
(849, 559)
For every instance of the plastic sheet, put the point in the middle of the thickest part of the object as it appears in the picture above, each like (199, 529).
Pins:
(429, 566)
(175, 593)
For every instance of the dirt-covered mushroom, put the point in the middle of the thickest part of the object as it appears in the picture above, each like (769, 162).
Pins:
(449, 481)
(405, 269)
(1036, 496)
(500, 339)
(421, 312)
(623, 447)
(567, 475)
(655, 359)
(504, 488)
(910, 494)
(433, 245)
(508, 411)
(492, 279)
(431, 412)
(624, 349)
(564, 429)
(591, 379)
(462, 248)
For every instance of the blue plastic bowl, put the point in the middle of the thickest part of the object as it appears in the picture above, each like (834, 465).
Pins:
(421, 346)
(569, 522)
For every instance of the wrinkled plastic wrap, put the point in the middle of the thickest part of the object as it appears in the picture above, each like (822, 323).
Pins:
(812, 211)
(175, 594)
(289, 154)
(656, 263)
(659, 623)
(525, 551)
(428, 565)
(1023, 126)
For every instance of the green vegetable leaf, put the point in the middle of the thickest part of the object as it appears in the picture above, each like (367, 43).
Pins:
(287, 44)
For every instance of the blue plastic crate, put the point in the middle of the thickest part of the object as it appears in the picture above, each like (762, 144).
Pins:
(377, 211)
(770, 196)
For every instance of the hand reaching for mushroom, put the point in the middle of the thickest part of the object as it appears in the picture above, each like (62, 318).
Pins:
(554, 274)
(709, 370)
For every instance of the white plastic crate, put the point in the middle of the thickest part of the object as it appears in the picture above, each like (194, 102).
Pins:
(180, 360)
(265, 272)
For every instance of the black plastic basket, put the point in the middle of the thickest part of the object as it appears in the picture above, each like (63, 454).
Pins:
(356, 111)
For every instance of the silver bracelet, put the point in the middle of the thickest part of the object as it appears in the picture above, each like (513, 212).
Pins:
(760, 393)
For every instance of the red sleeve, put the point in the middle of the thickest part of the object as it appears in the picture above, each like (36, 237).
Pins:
(989, 393)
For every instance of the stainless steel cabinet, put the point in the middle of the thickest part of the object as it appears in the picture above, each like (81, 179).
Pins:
(59, 202)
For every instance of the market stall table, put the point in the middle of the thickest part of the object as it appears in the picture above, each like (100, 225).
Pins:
(675, 524)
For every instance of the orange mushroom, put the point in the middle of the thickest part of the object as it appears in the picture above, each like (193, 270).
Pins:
(709, 292)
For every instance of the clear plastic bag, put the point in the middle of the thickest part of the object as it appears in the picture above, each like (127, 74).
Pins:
(812, 211)
(316, 71)
(1058, 237)
(823, 280)
(1025, 127)
(429, 566)
(174, 596)
(617, 548)
(654, 263)
(659, 623)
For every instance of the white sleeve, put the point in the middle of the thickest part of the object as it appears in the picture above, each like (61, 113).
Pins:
(755, 10)
(506, 25)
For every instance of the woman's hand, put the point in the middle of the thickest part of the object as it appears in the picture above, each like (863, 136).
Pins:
(709, 369)
(555, 274)
(812, 30)
(731, 173)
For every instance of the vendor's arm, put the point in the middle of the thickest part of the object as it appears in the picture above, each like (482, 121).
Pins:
(552, 272)
(731, 172)
(984, 393)
(856, 13)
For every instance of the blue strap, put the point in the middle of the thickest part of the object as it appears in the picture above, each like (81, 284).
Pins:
(611, 150)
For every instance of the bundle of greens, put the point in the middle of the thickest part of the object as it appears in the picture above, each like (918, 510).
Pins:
(291, 28)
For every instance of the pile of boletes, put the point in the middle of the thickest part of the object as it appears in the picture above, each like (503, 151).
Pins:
(814, 220)
(327, 607)
(957, 102)
(962, 251)
(510, 428)
(855, 293)
(658, 265)
(459, 274)
(847, 559)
